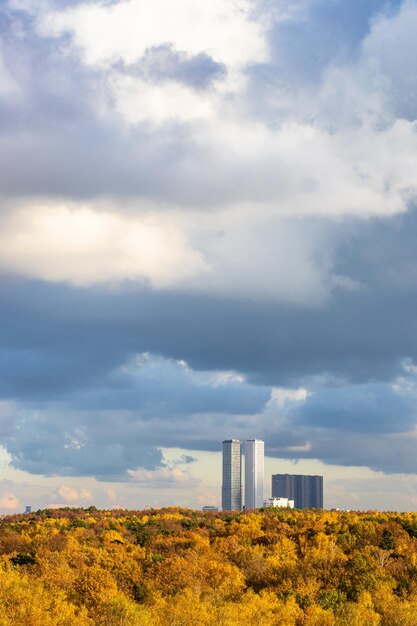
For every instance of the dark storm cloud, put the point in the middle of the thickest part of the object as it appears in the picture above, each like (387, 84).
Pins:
(385, 452)
(163, 389)
(380, 255)
(102, 445)
(107, 431)
(83, 333)
(371, 408)
(80, 340)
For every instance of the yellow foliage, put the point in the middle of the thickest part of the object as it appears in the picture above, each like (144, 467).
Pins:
(120, 611)
(394, 612)
(197, 574)
(25, 603)
(185, 609)
(316, 616)
(112, 536)
(283, 552)
(93, 586)
(247, 527)
(360, 614)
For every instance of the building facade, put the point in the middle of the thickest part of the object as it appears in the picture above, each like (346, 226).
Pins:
(254, 474)
(232, 475)
(279, 503)
(306, 491)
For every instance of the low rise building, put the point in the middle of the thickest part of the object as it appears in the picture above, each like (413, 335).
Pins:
(279, 502)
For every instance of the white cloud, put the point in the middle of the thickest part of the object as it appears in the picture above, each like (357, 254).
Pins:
(84, 246)
(225, 30)
(224, 378)
(256, 249)
(124, 31)
(301, 169)
(282, 395)
(319, 157)
(138, 101)
(105, 35)
(305, 447)
(70, 494)
(9, 501)
(165, 477)
(251, 240)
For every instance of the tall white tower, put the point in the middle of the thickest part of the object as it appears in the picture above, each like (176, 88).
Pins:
(254, 474)
(232, 476)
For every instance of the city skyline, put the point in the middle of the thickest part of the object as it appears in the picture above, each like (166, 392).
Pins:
(246, 491)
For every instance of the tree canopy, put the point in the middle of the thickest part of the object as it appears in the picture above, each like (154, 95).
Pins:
(182, 567)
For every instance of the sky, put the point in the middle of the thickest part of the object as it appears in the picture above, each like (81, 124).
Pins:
(208, 230)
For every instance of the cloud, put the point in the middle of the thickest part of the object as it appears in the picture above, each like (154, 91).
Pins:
(186, 459)
(162, 478)
(57, 338)
(208, 224)
(225, 156)
(81, 444)
(387, 453)
(396, 63)
(125, 31)
(83, 246)
(282, 396)
(162, 388)
(110, 442)
(8, 86)
(71, 495)
(358, 408)
(9, 501)
(138, 102)
(112, 495)
(371, 425)
(117, 428)
(163, 63)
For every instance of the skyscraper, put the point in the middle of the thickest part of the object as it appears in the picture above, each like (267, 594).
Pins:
(232, 476)
(306, 491)
(254, 474)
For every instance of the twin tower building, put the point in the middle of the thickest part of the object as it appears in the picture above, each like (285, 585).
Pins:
(232, 496)
(304, 491)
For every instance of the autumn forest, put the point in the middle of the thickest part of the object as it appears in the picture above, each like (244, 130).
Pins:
(187, 568)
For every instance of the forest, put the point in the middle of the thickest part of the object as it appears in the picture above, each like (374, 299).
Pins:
(181, 567)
